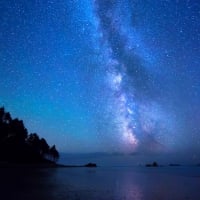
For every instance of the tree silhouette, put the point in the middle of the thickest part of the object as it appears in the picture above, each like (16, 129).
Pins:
(33, 141)
(54, 153)
(2, 113)
(44, 147)
(7, 118)
(17, 145)
(18, 130)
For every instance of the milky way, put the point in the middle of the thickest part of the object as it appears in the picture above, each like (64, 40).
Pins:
(99, 75)
(127, 75)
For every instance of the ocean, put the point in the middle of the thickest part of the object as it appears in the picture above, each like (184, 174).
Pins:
(106, 182)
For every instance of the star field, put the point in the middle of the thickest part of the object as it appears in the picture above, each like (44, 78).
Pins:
(98, 75)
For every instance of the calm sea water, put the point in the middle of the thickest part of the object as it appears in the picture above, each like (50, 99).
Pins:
(103, 183)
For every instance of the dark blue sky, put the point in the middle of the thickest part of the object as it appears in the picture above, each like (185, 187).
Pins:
(99, 75)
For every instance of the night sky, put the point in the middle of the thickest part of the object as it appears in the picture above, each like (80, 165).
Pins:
(103, 75)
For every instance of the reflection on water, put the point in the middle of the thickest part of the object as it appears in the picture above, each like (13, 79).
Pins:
(100, 183)
(129, 189)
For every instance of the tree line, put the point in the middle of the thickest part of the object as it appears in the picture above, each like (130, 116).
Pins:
(19, 146)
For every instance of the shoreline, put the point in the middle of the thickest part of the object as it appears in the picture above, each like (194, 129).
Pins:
(41, 165)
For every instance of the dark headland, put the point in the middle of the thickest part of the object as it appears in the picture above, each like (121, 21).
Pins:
(18, 148)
